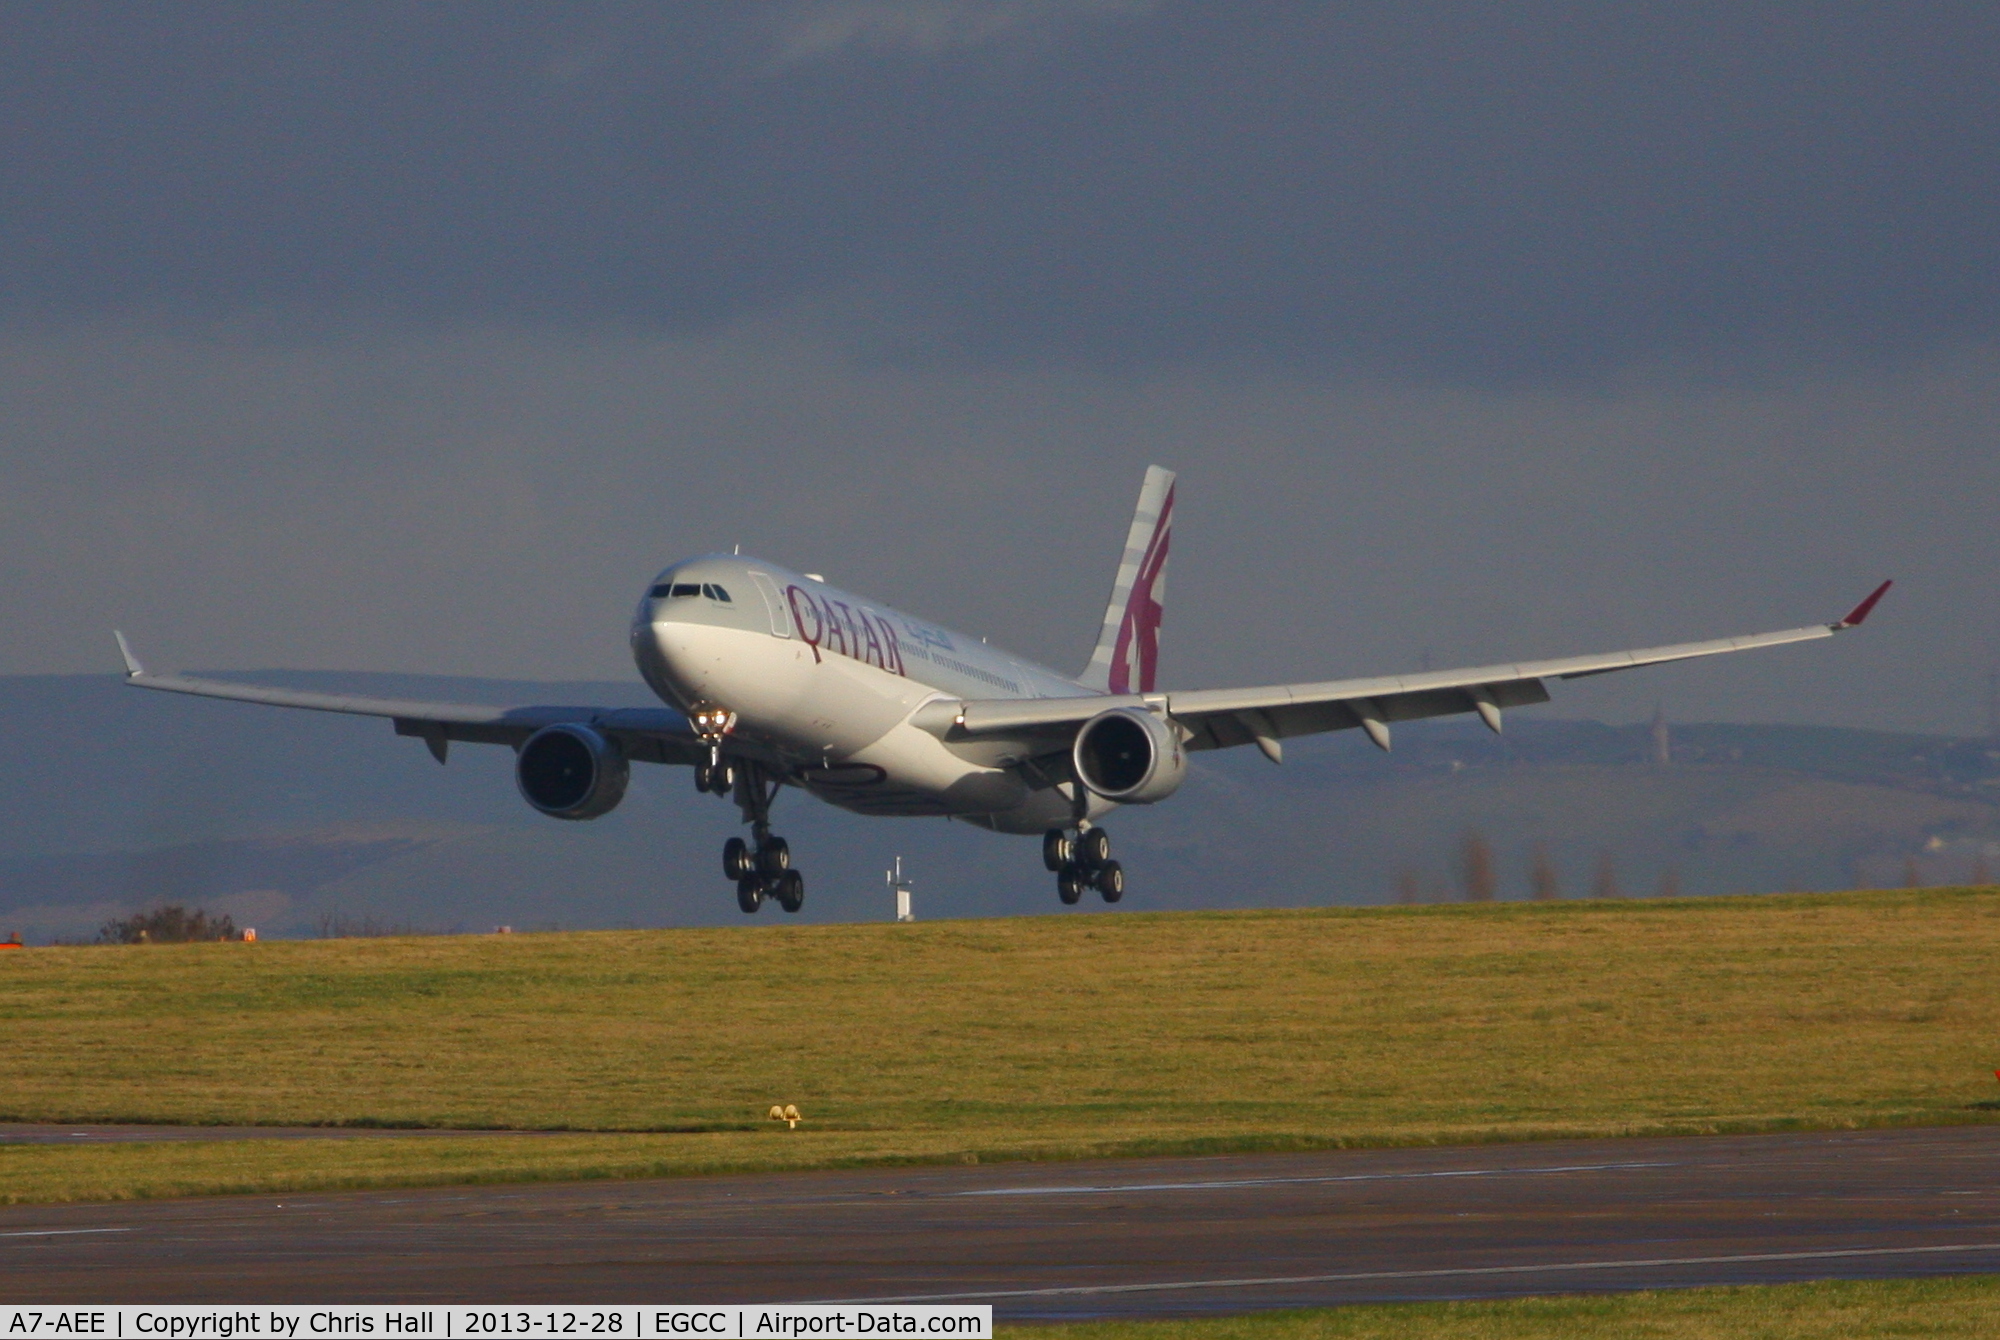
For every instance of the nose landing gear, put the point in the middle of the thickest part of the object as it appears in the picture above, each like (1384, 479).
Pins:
(1083, 862)
(761, 867)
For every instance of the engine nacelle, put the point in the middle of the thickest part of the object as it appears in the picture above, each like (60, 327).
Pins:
(1131, 756)
(569, 771)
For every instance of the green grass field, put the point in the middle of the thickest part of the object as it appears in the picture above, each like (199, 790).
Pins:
(1834, 1310)
(1037, 1037)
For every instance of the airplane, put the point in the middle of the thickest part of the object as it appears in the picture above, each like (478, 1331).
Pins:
(772, 678)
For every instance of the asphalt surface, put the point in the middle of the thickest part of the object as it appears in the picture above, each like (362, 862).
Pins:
(1048, 1241)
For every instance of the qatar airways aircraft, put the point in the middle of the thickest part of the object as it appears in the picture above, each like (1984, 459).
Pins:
(775, 678)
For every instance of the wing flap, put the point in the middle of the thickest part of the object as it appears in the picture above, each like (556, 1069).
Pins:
(986, 716)
(1223, 718)
(651, 734)
(532, 718)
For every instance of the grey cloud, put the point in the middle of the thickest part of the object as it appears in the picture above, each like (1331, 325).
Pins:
(489, 501)
(416, 337)
(808, 30)
(1494, 195)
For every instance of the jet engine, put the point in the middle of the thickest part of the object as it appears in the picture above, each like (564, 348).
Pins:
(1131, 756)
(569, 771)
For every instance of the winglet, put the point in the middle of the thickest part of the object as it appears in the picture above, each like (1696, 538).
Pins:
(132, 666)
(1860, 612)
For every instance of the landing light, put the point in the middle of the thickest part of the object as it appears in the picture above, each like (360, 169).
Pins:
(712, 723)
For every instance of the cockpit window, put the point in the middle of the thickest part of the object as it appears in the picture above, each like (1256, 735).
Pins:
(676, 590)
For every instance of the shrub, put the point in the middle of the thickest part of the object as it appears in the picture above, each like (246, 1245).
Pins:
(172, 924)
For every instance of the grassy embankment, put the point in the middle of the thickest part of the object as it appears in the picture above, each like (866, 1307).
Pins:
(1041, 1037)
(1836, 1310)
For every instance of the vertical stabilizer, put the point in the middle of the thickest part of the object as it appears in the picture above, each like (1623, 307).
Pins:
(1127, 658)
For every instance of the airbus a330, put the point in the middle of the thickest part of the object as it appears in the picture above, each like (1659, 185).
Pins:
(772, 678)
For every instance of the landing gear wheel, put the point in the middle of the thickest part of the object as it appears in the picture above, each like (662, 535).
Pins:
(774, 857)
(1093, 848)
(704, 778)
(736, 859)
(1110, 881)
(1058, 850)
(790, 890)
(750, 893)
(1070, 884)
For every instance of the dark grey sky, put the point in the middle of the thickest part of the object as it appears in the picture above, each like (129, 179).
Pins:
(1528, 190)
(416, 336)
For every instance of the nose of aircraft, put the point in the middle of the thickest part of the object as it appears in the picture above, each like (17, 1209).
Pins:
(675, 638)
(664, 650)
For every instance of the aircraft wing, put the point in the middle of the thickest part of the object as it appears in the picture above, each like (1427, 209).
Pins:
(1266, 715)
(648, 734)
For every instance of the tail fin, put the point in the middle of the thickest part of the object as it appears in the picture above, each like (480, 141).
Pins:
(1127, 658)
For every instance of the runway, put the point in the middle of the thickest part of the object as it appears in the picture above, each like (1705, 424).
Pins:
(1051, 1241)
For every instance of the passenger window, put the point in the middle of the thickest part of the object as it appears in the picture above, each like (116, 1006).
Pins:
(686, 589)
(715, 592)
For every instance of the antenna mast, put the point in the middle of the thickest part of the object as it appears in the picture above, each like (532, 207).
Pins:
(901, 888)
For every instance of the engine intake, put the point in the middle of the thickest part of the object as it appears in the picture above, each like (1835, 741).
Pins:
(571, 772)
(1130, 756)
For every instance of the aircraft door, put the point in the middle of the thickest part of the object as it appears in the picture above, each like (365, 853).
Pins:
(774, 605)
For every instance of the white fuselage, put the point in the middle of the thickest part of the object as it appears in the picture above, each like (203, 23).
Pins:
(823, 685)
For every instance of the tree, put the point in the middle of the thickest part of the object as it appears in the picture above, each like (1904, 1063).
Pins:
(1670, 883)
(1543, 886)
(1408, 891)
(1475, 868)
(171, 924)
(1604, 882)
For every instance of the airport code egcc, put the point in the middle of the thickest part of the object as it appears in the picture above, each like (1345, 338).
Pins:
(777, 1321)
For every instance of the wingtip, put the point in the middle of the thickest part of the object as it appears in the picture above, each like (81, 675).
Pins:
(132, 666)
(1860, 612)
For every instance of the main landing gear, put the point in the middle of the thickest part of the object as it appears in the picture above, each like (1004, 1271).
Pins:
(1083, 861)
(763, 871)
(761, 867)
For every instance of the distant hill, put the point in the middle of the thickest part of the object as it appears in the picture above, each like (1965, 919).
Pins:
(299, 822)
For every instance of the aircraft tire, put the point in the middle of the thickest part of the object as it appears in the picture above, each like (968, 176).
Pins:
(1071, 883)
(1057, 848)
(736, 859)
(1093, 849)
(790, 890)
(722, 778)
(750, 893)
(704, 782)
(774, 858)
(1110, 881)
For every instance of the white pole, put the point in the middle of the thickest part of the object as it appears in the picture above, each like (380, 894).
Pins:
(901, 888)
